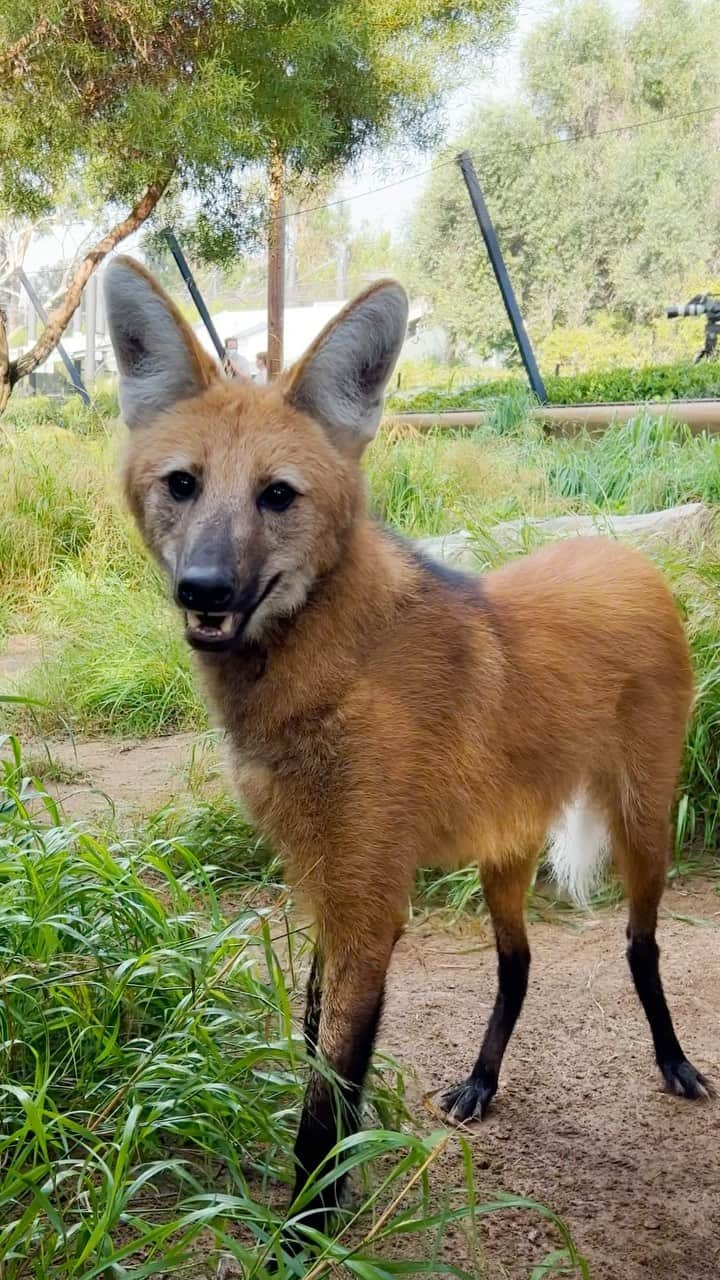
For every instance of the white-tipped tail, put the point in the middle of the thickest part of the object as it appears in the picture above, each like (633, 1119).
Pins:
(578, 849)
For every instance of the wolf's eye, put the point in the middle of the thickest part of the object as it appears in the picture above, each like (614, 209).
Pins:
(181, 485)
(277, 497)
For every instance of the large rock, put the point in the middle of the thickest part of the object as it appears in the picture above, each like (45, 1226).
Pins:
(679, 526)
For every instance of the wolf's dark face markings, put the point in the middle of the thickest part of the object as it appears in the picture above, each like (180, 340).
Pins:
(243, 493)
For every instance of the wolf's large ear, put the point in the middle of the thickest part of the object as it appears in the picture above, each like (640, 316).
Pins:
(160, 361)
(341, 379)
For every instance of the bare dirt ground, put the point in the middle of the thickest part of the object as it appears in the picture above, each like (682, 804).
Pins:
(124, 775)
(18, 655)
(118, 776)
(580, 1122)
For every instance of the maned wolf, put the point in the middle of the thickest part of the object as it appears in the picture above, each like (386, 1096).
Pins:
(382, 711)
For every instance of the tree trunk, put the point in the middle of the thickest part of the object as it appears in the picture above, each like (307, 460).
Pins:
(60, 317)
(276, 263)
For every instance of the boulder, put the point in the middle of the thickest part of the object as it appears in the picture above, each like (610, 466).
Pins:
(679, 526)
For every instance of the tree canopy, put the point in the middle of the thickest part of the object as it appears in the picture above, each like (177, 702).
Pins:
(134, 94)
(131, 99)
(593, 215)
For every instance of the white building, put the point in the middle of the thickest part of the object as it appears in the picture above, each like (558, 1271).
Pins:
(302, 324)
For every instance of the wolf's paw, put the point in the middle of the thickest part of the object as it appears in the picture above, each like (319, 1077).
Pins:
(685, 1081)
(469, 1099)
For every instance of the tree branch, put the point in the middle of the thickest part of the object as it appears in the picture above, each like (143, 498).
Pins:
(13, 58)
(60, 317)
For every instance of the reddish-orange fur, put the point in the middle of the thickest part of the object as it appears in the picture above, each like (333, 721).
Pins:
(400, 719)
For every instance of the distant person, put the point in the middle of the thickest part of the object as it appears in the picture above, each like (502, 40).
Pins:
(261, 368)
(235, 364)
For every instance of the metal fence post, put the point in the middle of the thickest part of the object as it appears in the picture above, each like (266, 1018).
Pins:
(70, 364)
(498, 265)
(187, 275)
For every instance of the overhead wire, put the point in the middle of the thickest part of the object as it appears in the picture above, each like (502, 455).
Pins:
(571, 139)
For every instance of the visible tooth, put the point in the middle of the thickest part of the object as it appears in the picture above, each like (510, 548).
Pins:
(227, 624)
(194, 619)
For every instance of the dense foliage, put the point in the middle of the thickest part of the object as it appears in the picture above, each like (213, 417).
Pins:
(125, 105)
(592, 214)
(602, 386)
(133, 95)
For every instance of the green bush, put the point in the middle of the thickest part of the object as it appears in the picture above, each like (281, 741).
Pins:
(474, 396)
(655, 382)
(606, 342)
(68, 412)
(604, 386)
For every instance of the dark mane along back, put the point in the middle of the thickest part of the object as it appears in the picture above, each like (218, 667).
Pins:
(464, 585)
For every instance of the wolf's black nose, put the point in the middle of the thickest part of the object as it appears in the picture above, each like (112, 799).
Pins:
(205, 590)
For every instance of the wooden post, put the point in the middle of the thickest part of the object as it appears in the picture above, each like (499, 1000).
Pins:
(276, 262)
(291, 272)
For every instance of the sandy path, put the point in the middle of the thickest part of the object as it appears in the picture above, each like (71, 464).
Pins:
(122, 775)
(580, 1122)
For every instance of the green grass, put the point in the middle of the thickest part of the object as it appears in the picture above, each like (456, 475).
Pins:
(696, 583)
(150, 1074)
(61, 509)
(213, 829)
(438, 481)
(602, 386)
(646, 464)
(67, 412)
(45, 768)
(74, 571)
(118, 662)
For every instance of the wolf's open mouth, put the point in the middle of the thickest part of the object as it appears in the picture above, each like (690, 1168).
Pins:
(219, 631)
(212, 628)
